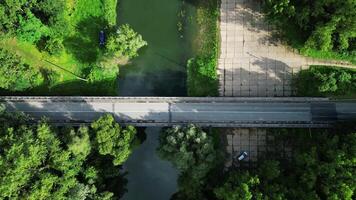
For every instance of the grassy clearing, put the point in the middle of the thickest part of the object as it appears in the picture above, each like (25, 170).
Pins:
(80, 56)
(201, 70)
(335, 82)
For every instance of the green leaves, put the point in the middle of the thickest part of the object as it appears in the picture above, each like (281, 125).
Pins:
(322, 166)
(16, 75)
(323, 80)
(192, 152)
(124, 42)
(112, 140)
(31, 28)
(323, 25)
(239, 186)
(37, 164)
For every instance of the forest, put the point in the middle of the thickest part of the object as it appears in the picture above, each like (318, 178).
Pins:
(319, 165)
(45, 162)
(52, 47)
(323, 29)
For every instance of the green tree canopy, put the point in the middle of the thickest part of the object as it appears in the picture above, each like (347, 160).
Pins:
(326, 24)
(35, 165)
(192, 152)
(40, 162)
(113, 140)
(322, 167)
(15, 75)
(124, 42)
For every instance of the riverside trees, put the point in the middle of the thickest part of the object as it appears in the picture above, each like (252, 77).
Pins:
(193, 153)
(322, 28)
(65, 33)
(322, 167)
(41, 162)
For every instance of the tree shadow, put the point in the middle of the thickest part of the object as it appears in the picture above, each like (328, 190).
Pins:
(260, 77)
(84, 44)
(70, 88)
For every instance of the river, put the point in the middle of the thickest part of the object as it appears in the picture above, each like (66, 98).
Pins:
(159, 70)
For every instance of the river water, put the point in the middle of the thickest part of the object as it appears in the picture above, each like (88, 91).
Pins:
(159, 70)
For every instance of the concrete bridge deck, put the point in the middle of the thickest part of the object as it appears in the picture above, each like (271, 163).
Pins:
(205, 111)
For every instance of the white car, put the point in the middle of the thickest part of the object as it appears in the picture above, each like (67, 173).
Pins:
(242, 156)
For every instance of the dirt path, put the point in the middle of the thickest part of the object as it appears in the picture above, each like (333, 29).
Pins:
(252, 62)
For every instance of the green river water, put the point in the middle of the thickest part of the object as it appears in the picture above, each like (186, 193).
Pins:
(159, 70)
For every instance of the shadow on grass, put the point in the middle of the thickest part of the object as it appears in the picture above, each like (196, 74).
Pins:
(71, 88)
(84, 44)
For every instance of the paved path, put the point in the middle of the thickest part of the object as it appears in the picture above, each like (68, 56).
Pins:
(252, 62)
(217, 113)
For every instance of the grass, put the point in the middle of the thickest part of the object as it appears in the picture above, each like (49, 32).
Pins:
(308, 83)
(79, 57)
(202, 77)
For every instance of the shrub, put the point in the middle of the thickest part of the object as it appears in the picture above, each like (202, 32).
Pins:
(31, 28)
(324, 81)
(124, 42)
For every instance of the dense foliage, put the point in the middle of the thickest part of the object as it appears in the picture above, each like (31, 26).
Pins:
(112, 140)
(202, 75)
(322, 167)
(326, 81)
(15, 74)
(66, 33)
(193, 153)
(321, 28)
(125, 42)
(41, 162)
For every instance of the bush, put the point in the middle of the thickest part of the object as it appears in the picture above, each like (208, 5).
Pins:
(54, 45)
(124, 42)
(202, 79)
(31, 28)
(110, 11)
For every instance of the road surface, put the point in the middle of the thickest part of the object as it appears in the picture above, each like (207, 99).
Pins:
(224, 112)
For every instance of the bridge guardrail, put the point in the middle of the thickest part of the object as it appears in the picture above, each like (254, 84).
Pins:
(158, 99)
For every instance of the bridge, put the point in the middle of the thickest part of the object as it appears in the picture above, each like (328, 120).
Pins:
(203, 111)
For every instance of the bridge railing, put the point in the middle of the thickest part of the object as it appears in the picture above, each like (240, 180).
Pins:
(157, 99)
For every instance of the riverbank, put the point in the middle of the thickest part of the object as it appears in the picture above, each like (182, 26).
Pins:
(202, 78)
(67, 54)
(160, 68)
(326, 81)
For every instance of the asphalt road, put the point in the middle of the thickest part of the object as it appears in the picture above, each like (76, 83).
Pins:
(254, 114)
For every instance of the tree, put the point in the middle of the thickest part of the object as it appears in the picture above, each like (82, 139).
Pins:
(192, 152)
(34, 164)
(40, 162)
(124, 42)
(15, 75)
(112, 140)
(322, 167)
(239, 186)
(31, 28)
(326, 25)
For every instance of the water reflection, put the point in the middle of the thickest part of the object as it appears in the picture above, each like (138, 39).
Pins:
(149, 177)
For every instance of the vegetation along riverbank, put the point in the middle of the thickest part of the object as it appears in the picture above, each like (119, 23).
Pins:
(63, 47)
(326, 81)
(202, 78)
(319, 29)
(44, 162)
